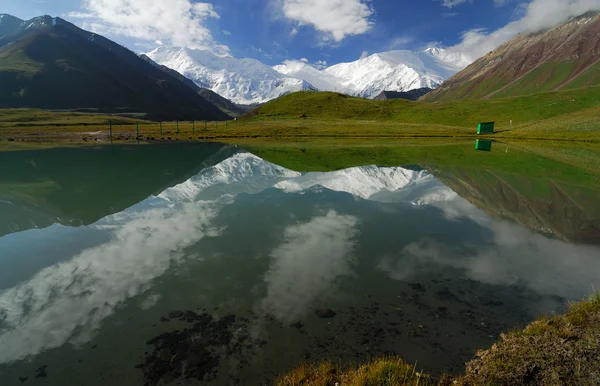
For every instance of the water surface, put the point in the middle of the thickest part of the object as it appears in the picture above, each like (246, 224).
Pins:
(99, 247)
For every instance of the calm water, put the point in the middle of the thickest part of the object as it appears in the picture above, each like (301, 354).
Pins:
(102, 250)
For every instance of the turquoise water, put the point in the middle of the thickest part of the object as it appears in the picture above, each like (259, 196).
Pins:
(99, 246)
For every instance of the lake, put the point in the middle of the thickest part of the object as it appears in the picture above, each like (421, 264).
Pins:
(147, 264)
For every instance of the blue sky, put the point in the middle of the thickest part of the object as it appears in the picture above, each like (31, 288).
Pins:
(321, 31)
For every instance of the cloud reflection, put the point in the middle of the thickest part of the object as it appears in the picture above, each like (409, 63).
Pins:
(68, 301)
(511, 255)
(307, 264)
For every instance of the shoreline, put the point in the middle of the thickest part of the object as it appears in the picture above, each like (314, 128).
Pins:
(551, 350)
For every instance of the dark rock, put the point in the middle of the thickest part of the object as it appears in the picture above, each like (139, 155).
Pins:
(163, 319)
(94, 346)
(417, 287)
(445, 294)
(325, 313)
(23, 379)
(41, 372)
(297, 325)
(492, 303)
(176, 314)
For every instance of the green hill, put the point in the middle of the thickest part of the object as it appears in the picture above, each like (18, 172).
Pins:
(521, 110)
(56, 65)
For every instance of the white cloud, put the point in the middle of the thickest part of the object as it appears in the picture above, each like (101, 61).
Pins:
(179, 22)
(537, 15)
(336, 18)
(364, 54)
(454, 3)
(226, 33)
(400, 41)
(320, 64)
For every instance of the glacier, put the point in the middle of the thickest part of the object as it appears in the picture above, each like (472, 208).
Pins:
(248, 81)
(399, 70)
(242, 81)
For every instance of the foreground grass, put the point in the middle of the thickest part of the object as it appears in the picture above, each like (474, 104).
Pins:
(385, 371)
(559, 350)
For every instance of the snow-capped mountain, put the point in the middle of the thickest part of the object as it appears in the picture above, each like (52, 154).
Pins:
(243, 81)
(248, 81)
(387, 71)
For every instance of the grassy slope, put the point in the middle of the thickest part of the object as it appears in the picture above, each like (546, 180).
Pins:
(46, 118)
(589, 78)
(562, 350)
(544, 78)
(324, 105)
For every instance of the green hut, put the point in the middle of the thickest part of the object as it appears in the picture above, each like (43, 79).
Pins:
(485, 128)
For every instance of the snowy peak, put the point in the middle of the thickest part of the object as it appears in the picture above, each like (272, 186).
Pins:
(387, 71)
(248, 81)
(453, 60)
(302, 70)
(243, 81)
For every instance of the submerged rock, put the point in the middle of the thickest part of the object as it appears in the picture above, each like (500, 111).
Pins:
(325, 313)
(192, 353)
(41, 372)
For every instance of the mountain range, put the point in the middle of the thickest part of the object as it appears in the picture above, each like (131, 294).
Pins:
(563, 57)
(50, 63)
(248, 81)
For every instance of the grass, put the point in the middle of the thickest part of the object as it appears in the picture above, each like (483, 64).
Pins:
(544, 78)
(559, 350)
(550, 351)
(565, 115)
(388, 371)
(590, 77)
(466, 114)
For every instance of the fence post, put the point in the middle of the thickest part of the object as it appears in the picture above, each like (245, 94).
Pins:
(110, 127)
(137, 129)
(177, 122)
(160, 123)
(193, 127)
